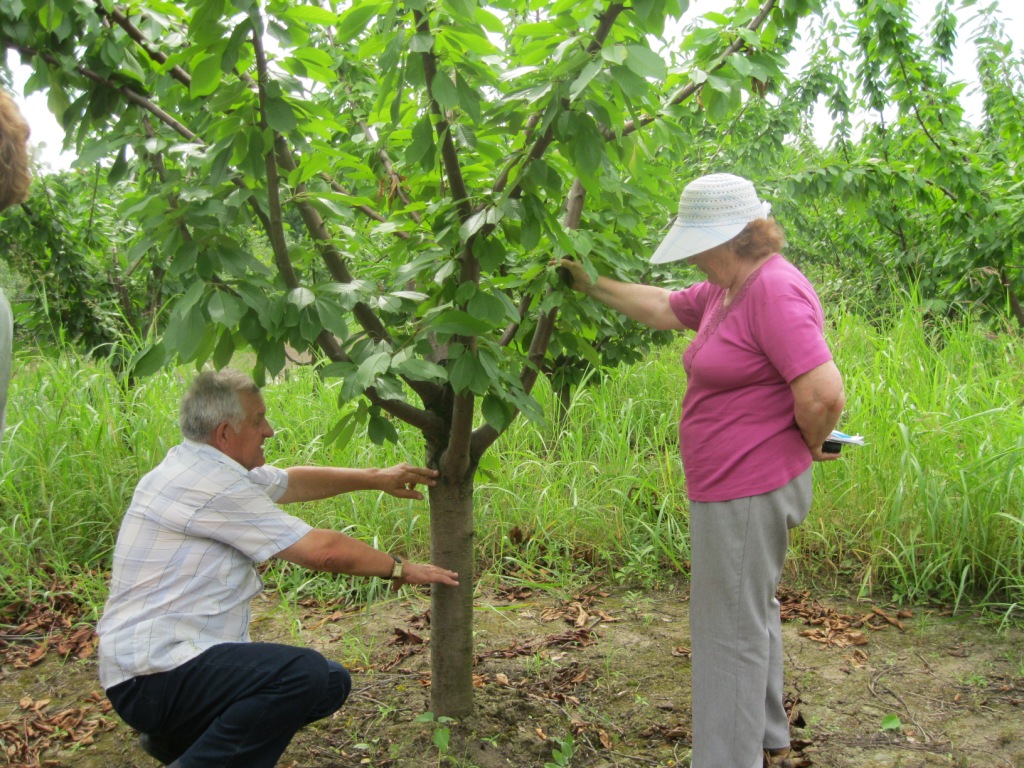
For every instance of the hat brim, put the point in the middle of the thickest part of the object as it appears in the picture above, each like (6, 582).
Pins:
(684, 242)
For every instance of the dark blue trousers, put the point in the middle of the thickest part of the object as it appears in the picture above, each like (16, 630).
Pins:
(236, 705)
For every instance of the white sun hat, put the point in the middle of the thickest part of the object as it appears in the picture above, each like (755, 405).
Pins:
(712, 210)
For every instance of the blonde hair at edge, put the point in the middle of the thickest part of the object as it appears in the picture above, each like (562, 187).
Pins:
(761, 237)
(15, 177)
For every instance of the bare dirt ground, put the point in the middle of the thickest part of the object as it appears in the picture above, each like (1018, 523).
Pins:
(870, 687)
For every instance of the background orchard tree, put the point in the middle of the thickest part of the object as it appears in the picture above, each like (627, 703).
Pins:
(66, 246)
(410, 170)
(926, 198)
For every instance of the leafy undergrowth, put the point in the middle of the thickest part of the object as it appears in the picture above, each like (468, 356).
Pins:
(598, 678)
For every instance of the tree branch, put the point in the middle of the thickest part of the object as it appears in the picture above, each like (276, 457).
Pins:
(485, 435)
(395, 180)
(316, 227)
(540, 146)
(691, 88)
(456, 459)
(333, 259)
(119, 18)
(129, 94)
(513, 328)
(402, 410)
(275, 227)
(449, 155)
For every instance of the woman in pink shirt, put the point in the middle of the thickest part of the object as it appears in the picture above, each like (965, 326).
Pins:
(762, 395)
(15, 179)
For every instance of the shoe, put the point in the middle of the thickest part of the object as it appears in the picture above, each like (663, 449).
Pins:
(778, 758)
(158, 749)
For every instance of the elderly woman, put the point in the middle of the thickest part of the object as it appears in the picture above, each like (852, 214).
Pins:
(762, 395)
(14, 183)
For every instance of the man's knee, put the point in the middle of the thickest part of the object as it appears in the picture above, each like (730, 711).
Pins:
(308, 674)
(338, 687)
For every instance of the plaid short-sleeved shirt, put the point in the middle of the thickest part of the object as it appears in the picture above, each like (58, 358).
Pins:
(185, 560)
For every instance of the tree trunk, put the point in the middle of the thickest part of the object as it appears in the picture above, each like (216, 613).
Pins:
(1015, 305)
(563, 399)
(451, 614)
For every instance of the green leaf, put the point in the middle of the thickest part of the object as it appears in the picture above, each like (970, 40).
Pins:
(587, 147)
(442, 738)
(496, 412)
(421, 150)
(225, 309)
(459, 323)
(148, 360)
(444, 91)
(206, 76)
(119, 167)
(191, 297)
(185, 333)
(51, 16)
(742, 65)
(372, 367)
(301, 297)
(224, 350)
(380, 429)
(580, 84)
(417, 369)
(583, 242)
(487, 307)
(341, 433)
(421, 42)
(315, 56)
(354, 21)
(645, 62)
(463, 8)
(271, 356)
(633, 86)
(309, 325)
(891, 723)
(529, 407)
(469, 99)
(719, 103)
(615, 54)
(473, 224)
(467, 373)
(311, 14)
(280, 116)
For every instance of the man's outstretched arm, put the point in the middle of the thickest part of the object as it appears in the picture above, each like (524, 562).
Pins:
(325, 550)
(313, 483)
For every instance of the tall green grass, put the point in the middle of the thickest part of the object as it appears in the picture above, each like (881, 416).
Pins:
(930, 509)
(933, 507)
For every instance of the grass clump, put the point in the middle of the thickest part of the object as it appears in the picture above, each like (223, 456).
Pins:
(931, 509)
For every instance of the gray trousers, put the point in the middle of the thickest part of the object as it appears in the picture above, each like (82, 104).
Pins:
(6, 344)
(737, 550)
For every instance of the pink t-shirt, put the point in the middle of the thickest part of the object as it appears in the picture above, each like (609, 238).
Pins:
(738, 434)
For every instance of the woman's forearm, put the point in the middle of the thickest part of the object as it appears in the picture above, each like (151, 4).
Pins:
(646, 304)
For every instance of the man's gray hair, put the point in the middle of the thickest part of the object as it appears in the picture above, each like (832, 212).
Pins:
(214, 397)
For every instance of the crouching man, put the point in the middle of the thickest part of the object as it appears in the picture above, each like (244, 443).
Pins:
(175, 656)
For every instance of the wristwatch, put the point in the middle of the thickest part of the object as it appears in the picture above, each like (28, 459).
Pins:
(396, 569)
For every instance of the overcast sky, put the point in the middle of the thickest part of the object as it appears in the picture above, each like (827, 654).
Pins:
(48, 138)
